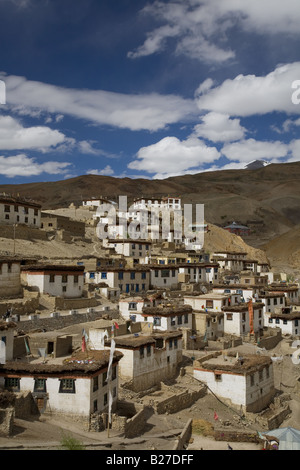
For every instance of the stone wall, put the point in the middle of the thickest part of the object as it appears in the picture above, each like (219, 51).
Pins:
(177, 402)
(184, 436)
(7, 416)
(22, 232)
(63, 321)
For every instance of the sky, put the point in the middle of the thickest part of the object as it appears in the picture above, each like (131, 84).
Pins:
(146, 88)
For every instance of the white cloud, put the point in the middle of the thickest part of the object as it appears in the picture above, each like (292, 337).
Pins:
(247, 95)
(13, 136)
(22, 165)
(136, 112)
(170, 156)
(251, 149)
(195, 24)
(107, 171)
(219, 128)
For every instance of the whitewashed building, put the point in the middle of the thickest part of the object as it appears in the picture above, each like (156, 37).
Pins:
(211, 302)
(167, 317)
(130, 307)
(76, 387)
(128, 280)
(199, 272)
(164, 276)
(237, 320)
(139, 250)
(16, 210)
(246, 383)
(149, 359)
(10, 277)
(58, 281)
(288, 320)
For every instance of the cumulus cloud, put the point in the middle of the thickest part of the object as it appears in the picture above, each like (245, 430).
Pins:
(248, 95)
(251, 149)
(22, 165)
(13, 136)
(219, 128)
(196, 25)
(135, 112)
(171, 156)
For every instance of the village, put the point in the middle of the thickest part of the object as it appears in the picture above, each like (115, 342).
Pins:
(135, 342)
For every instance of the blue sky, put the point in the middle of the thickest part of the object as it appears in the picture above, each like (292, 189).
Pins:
(146, 89)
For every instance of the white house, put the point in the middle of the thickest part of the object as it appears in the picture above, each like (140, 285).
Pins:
(199, 272)
(167, 317)
(58, 281)
(77, 387)
(291, 291)
(211, 302)
(16, 210)
(140, 250)
(164, 276)
(148, 359)
(245, 382)
(10, 277)
(130, 307)
(272, 300)
(128, 280)
(287, 320)
(240, 321)
(246, 292)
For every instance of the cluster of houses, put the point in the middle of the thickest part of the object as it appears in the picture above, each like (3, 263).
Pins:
(168, 301)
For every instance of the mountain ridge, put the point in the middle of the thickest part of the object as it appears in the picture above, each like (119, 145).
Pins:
(267, 198)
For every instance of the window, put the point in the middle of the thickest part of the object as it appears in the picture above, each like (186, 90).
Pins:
(186, 318)
(156, 321)
(179, 320)
(76, 279)
(52, 278)
(64, 289)
(132, 275)
(148, 349)
(143, 275)
(6, 208)
(218, 377)
(26, 220)
(132, 306)
(170, 344)
(67, 386)
(16, 208)
(120, 275)
(92, 276)
(104, 377)
(105, 399)
(12, 383)
(39, 385)
(252, 380)
(114, 373)
(95, 384)
(173, 321)
(175, 343)
(229, 316)
(95, 406)
(141, 352)
(103, 275)
(64, 278)
(156, 273)
(6, 217)
(209, 304)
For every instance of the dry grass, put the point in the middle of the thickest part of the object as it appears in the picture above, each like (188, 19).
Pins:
(202, 428)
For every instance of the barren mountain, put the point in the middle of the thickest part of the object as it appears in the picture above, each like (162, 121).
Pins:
(266, 199)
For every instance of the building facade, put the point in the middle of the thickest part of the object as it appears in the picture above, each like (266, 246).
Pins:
(15, 210)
